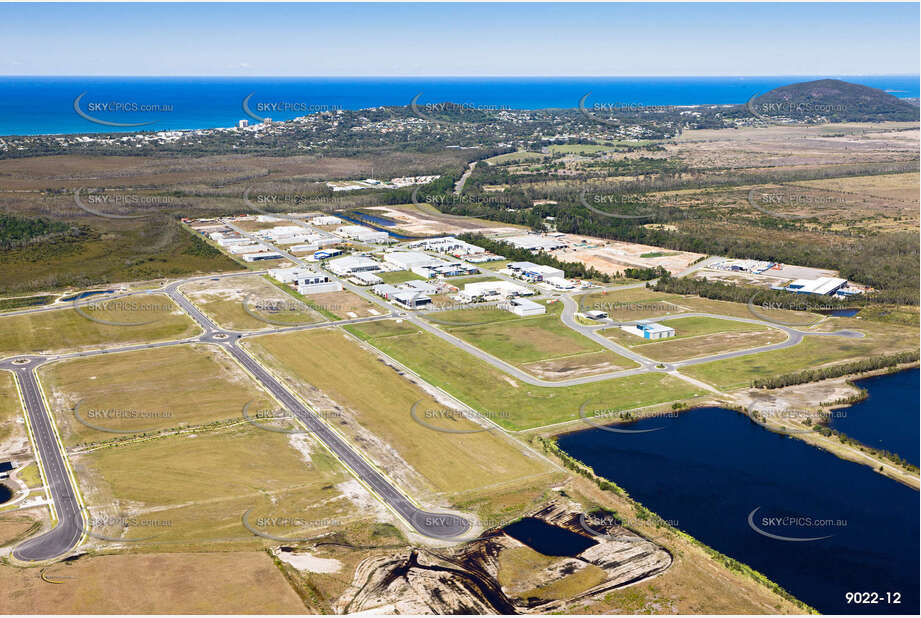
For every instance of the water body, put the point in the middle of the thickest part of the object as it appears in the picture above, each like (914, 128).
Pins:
(547, 539)
(888, 418)
(83, 295)
(6, 466)
(5, 493)
(711, 468)
(41, 105)
(841, 313)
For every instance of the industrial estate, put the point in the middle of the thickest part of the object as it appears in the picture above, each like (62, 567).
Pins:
(539, 362)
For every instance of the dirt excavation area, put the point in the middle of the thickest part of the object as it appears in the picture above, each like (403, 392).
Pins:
(426, 220)
(498, 574)
(613, 256)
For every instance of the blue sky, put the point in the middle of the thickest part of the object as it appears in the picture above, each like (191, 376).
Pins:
(453, 39)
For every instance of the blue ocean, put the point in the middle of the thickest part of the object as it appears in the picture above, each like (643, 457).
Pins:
(50, 105)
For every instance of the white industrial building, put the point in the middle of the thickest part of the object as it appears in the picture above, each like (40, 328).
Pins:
(351, 264)
(256, 257)
(407, 260)
(524, 307)
(530, 271)
(365, 278)
(446, 244)
(536, 242)
(491, 290)
(823, 286)
(325, 220)
(290, 275)
(363, 234)
(248, 248)
(649, 330)
(317, 284)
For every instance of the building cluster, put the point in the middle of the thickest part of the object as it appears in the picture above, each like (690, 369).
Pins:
(547, 277)
(304, 280)
(449, 245)
(373, 183)
(488, 291)
(427, 266)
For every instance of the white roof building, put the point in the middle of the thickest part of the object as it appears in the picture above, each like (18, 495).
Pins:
(824, 286)
(491, 290)
(524, 307)
(407, 260)
(536, 242)
(352, 264)
(363, 234)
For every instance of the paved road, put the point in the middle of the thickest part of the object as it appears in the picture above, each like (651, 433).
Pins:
(436, 525)
(68, 530)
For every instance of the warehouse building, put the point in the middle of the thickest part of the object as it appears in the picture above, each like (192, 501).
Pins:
(649, 330)
(823, 286)
(257, 257)
(316, 283)
(524, 307)
(491, 290)
(534, 272)
(351, 264)
(363, 234)
(536, 242)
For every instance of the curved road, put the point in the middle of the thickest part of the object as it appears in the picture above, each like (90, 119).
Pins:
(68, 530)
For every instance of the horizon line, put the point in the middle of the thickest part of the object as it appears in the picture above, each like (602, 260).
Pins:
(573, 76)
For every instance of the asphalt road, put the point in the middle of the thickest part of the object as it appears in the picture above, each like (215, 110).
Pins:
(67, 532)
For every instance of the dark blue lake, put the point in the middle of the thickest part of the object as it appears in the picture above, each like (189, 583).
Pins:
(713, 469)
(547, 539)
(5, 493)
(889, 417)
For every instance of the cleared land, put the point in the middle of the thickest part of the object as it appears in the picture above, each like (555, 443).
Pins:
(542, 345)
(147, 391)
(342, 305)
(238, 303)
(68, 329)
(485, 388)
(813, 352)
(191, 490)
(179, 583)
(699, 336)
(373, 405)
(10, 410)
(399, 276)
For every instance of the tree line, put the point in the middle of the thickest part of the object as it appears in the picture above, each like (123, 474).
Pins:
(836, 371)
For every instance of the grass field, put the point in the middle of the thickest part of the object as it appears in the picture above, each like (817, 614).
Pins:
(486, 388)
(10, 409)
(698, 336)
(380, 400)
(67, 329)
(812, 352)
(518, 565)
(238, 303)
(169, 583)
(147, 391)
(192, 490)
(520, 155)
(542, 344)
(399, 276)
(706, 345)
